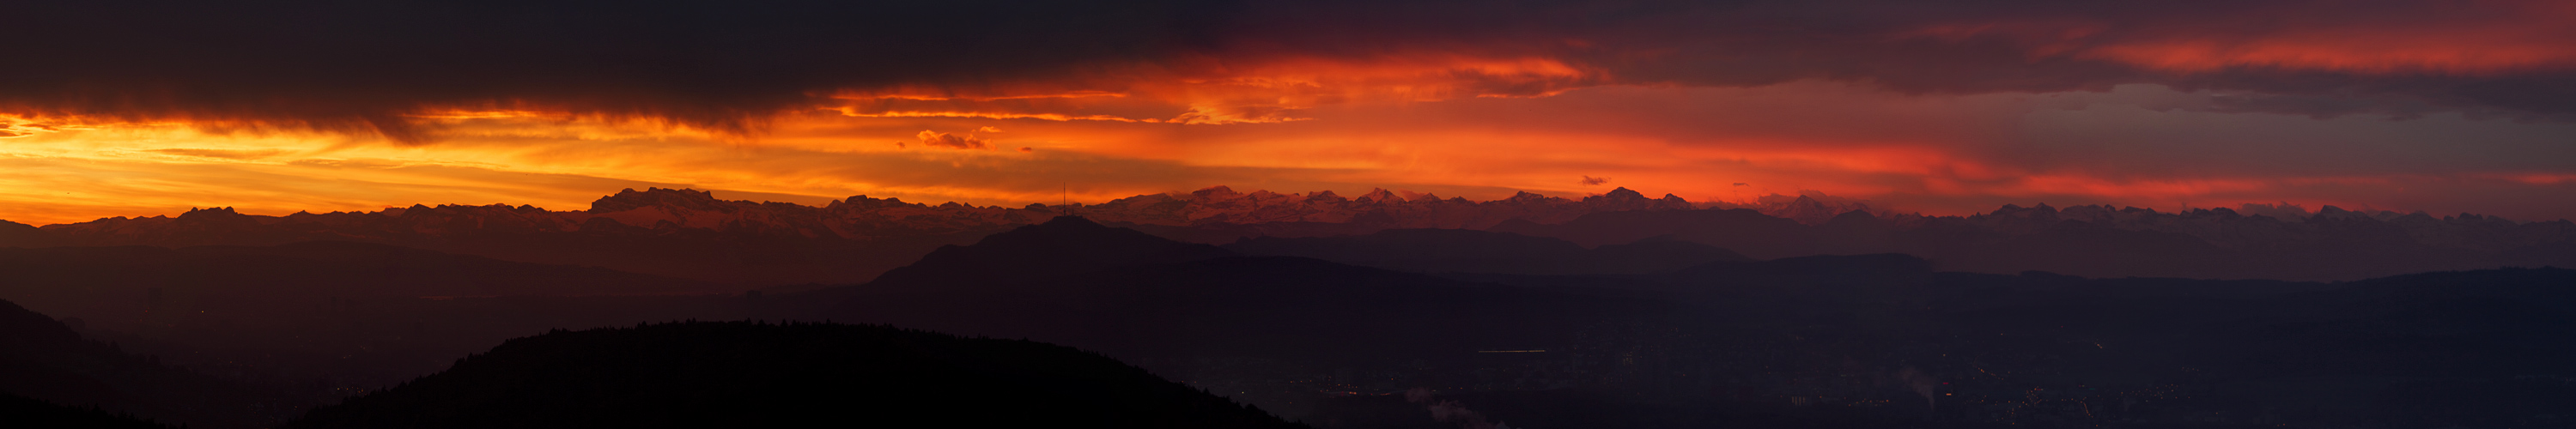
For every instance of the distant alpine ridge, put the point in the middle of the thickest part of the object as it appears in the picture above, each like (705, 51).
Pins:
(691, 234)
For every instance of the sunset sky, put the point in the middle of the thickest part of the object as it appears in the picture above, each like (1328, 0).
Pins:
(1952, 108)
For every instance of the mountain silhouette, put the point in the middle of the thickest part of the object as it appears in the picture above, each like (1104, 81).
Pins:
(2101, 241)
(24, 412)
(42, 361)
(13, 233)
(1706, 334)
(666, 232)
(1741, 230)
(1472, 251)
(88, 280)
(1144, 296)
(1805, 341)
(692, 234)
(1062, 245)
(747, 374)
(300, 305)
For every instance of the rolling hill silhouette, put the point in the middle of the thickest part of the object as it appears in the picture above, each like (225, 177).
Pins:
(1827, 326)
(1141, 296)
(306, 308)
(92, 282)
(691, 234)
(42, 361)
(1650, 322)
(1472, 251)
(2099, 241)
(746, 374)
(1064, 245)
(23, 412)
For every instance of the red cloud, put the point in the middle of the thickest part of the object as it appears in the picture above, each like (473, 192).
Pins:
(952, 141)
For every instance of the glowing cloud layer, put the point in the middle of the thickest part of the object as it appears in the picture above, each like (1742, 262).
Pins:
(2441, 106)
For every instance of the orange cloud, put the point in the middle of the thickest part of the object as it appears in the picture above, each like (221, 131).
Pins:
(951, 141)
(2463, 38)
(1946, 111)
(1218, 91)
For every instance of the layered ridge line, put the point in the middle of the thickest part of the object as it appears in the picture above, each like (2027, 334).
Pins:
(693, 234)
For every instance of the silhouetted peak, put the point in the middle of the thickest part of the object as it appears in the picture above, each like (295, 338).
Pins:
(1324, 196)
(863, 202)
(1070, 222)
(1622, 193)
(1526, 197)
(209, 212)
(1073, 234)
(1063, 244)
(631, 199)
(13, 234)
(1871, 265)
(785, 375)
(1853, 217)
(1379, 195)
(1219, 191)
(2040, 212)
(20, 328)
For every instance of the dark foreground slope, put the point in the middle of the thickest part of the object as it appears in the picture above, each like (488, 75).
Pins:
(746, 374)
(308, 311)
(1136, 296)
(1472, 251)
(42, 361)
(91, 282)
(1866, 341)
(1880, 341)
(2098, 241)
(23, 412)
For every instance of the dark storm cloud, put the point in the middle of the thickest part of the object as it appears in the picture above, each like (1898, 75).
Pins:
(2324, 58)
(363, 66)
(360, 65)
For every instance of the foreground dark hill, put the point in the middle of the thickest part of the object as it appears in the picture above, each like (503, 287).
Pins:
(42, 361)
(110, 285)
(311, 310)
(1859, 341)
(122, 275)
(1876, 340)
(666, 232)
(745, 374)
(1064, 245)
(23, 412)
(2101, 241)
(1076, 282)
(692, 234)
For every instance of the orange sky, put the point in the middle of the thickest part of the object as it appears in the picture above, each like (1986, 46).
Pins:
(2130, 112)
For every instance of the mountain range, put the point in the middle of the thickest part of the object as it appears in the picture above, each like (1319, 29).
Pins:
(1875, 340)
(1399, 328)
(51, 376)
(693, 235)
(747, 374)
